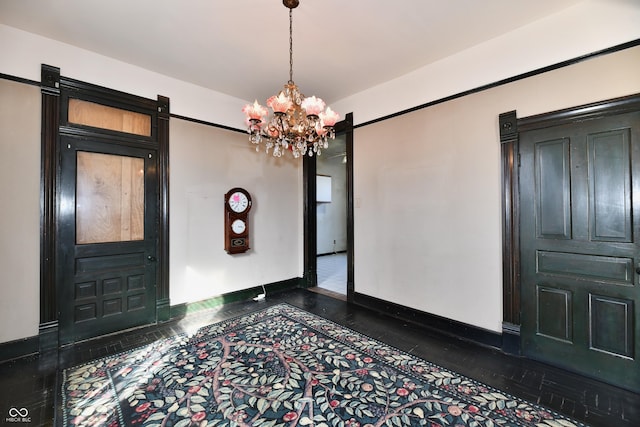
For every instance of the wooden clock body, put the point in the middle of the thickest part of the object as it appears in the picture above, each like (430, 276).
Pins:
(237, 204)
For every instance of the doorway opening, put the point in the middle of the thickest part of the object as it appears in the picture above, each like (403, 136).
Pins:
(328, 235)
(331, 217)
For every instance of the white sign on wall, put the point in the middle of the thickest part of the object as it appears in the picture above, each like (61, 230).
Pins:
(323, 188)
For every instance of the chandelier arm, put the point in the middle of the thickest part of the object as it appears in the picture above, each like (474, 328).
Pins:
(282, 132)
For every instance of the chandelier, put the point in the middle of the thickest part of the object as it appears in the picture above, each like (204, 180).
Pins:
(298, 124)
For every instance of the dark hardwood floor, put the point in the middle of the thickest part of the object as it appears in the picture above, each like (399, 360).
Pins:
(34, 382)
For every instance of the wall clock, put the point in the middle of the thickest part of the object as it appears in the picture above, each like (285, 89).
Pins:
(237, 204)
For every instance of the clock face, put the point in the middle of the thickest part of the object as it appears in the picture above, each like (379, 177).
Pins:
(238, 226)
(238, 202)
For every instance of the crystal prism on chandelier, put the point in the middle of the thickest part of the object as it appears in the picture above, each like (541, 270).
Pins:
(298, 124)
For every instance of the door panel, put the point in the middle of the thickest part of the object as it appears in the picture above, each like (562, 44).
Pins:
(102, 116)
(610, 192)
(559, 324)
(108, 237)
(611, 326)
(109, 198)
(554, 194)
(579, 247)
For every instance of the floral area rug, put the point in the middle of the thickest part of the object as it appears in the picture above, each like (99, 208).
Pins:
(282, 366)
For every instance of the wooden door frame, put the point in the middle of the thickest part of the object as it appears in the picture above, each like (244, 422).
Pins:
(510, 127)
(51, 85)
(309, 169)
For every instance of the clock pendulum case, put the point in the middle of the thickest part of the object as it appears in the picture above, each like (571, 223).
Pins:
(237, 204)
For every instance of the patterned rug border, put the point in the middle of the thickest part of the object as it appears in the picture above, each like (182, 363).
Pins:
(298, 314)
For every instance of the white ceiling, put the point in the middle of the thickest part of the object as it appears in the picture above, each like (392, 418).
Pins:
(241, 47)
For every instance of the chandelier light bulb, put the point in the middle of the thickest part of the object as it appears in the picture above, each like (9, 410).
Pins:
(329, 117)
(313, 106)
(280, 103)
(254, 111)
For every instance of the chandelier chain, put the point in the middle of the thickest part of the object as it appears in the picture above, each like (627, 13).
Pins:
(290, 45)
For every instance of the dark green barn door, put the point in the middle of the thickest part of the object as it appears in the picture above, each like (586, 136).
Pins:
(580, 217)
(108, 237)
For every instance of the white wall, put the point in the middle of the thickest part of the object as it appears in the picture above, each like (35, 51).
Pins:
(427, 190)
(205, 163)
(20, 216)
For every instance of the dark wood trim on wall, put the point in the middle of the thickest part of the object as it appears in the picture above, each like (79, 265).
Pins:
(610, 107)
(309, 169)
(20, 79)
(19, 348)
(510, 229)
(206, 123)
(162, 290)
(50, 89)
(348, 129)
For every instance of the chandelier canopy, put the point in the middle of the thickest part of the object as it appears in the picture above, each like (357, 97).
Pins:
(298, 124)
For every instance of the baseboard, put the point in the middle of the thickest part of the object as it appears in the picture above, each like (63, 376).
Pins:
(48, 337)
(19, 348)
(511, 338)
(443, 325)
(163, 310)
(45, 342)
(181, 310)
